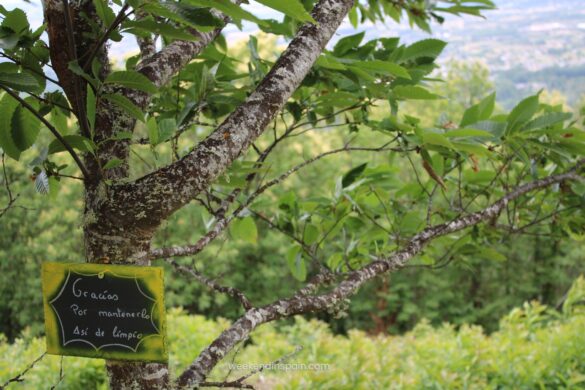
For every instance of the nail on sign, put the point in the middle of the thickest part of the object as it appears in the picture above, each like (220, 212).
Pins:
(104, 311)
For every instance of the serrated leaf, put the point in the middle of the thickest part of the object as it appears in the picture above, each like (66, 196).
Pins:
(329, 62)
(152, 128)
(348, 43)
(291, 8)
(126, 105)
(194, 16)
(15, 20)
(547, 120)
(470, 148)
(24, 128)
(430, 48)
(90, 103)
(479, 112)
(458, 133)
(104, 12)
(296, 263)
(244, 229)
(383, 67)
(7, 107)
(75, 141)
(352, 175)
(414, 92)
(75, 68)
(113, 163)
(310, 234)
(148, 26)
(227, 7)
(166, 128)
(19, 81)
(131, 79)
(523, 112)
(436, 139)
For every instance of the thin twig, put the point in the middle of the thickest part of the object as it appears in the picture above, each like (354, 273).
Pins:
(212, 284)
(11, 198)
(19, 377)
(61, 375)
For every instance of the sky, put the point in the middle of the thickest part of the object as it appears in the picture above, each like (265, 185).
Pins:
(34, 13)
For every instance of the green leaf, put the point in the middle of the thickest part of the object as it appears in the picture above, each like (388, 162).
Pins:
(15, 20)
(7, 107)
(197, 17)
(470, 148)
(90, 104)
(24, 128)
(148, 25)
(296, 263)
(131, 79)
(291, 8)
(352, 175)
(458, 133)
(523, 112)
(113, 163)
(428, 48)
(227, 7)
(348, 43)
(152, 128)
(547, 120)
(353, 16)
(436, 139)
(338, 99)
(104, 12)
(411, 222)
(414, 92)
(329, 62)
(125, 104)
(167, 128)
(479, 112)
(491, 254)
(75, 68)
(310, 234)
(19, 81)
(244, 229)
(75, 141)
(383, 67)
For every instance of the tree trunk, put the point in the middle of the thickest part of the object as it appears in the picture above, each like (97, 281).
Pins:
(110, 239)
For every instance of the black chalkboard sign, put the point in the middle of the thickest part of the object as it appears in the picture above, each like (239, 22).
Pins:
(104, 311)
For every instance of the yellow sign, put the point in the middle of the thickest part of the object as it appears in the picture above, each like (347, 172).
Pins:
(105, 311)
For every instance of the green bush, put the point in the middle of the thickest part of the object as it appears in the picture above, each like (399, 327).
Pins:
(535, 347)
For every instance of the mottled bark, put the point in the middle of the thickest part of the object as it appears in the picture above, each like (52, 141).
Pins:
(301, 303)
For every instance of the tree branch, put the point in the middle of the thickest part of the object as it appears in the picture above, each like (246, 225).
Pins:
(212, 284)
(301, 303)
(224, 222)
(162, 192)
